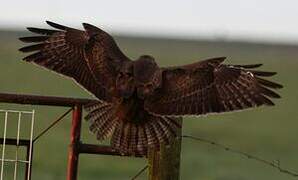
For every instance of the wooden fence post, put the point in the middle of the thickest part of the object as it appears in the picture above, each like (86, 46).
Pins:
(165, 164)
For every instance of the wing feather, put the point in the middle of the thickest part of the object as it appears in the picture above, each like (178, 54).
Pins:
(63, 50)
(210, 86)
(103, 56)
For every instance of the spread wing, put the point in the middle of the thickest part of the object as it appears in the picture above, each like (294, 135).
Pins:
(210, 86)
(90, 57)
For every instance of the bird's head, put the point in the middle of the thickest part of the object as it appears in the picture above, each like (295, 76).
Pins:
(125, 80)
(147, 76)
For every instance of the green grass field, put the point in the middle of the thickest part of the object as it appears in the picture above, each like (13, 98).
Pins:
(267, 132)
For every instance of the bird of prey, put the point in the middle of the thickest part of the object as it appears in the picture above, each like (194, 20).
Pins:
(138, 100)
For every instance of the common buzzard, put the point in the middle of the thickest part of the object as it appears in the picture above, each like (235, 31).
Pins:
(138, 100)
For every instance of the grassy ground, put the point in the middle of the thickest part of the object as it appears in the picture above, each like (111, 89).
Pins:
(268, 132)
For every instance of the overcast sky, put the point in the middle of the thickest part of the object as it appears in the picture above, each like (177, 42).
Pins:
(270, 20)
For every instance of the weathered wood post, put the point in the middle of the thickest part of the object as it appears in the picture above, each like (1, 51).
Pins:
(165, 164)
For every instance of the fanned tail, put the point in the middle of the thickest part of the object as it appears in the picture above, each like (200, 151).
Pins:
(133, 138)
(130, 137)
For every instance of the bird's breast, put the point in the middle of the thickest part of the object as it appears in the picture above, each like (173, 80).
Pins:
(130, 109)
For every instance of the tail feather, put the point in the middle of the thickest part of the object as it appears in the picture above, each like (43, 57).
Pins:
(167, 131)
(161, 136)
(95, 110)
(117, 134)
(142, 141)
(107, 129)
(134, 138)
(171, 123)
(152, 136)
(130, 137)
(101, 118)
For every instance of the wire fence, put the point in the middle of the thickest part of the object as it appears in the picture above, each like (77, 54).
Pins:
(17, 142)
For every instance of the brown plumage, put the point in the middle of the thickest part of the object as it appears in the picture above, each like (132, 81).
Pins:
(138, 100)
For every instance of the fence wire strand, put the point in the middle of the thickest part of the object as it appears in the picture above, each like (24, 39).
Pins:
(139, 173)
(3, 146)
(274, 164)
(17, 160)
(17, 147)
(52, 125)
(31, 145)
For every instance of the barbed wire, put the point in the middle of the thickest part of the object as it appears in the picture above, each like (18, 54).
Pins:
(139, 173)
(52, 124)
(275, 164)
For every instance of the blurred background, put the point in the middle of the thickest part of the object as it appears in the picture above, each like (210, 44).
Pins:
(174, 32)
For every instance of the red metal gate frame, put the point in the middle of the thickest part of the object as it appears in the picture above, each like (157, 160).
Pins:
(76, 147)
